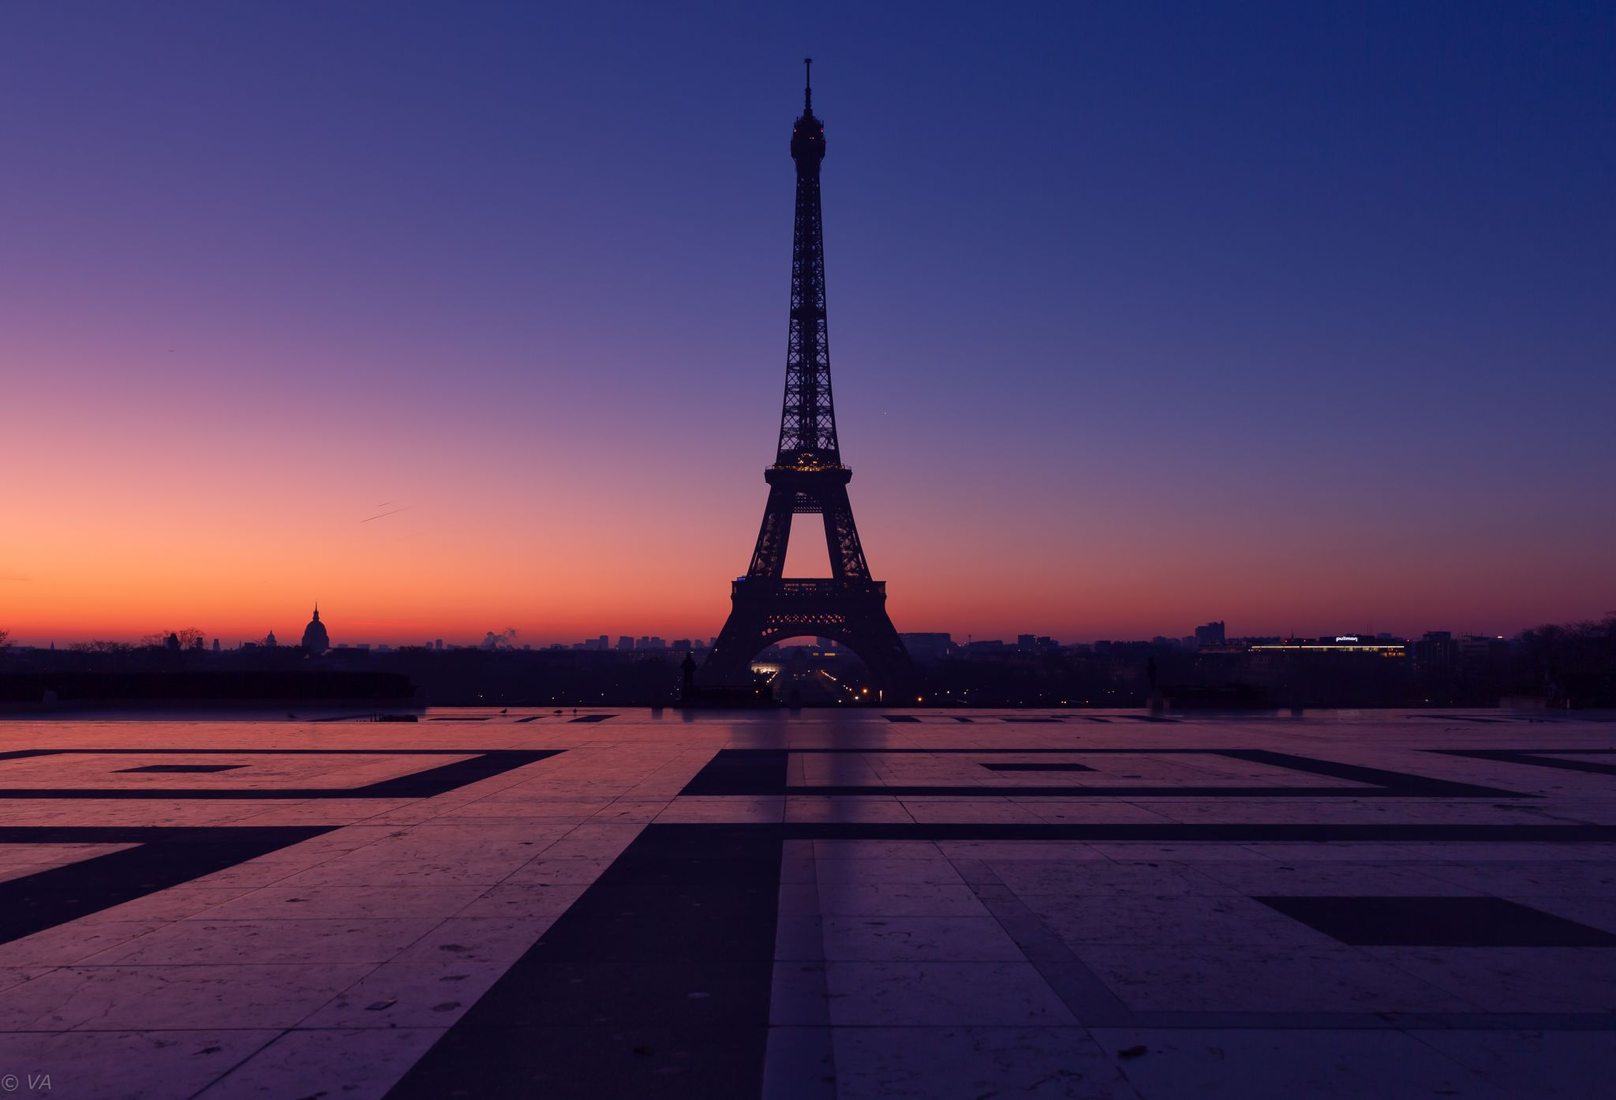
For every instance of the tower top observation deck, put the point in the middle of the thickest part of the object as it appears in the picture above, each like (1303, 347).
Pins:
(808, 133)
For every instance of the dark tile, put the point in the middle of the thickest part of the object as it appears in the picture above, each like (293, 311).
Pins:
(1437, 922)
(741, 771)
(422, 784)
(183, 768)
(1037, 767)
(1541, 759)
(646, 986)
(160, 859)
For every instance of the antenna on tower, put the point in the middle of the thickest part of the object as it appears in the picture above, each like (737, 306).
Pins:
(808, 84)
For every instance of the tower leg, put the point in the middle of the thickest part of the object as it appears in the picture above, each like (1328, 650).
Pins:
(769, 558)
(849, 611)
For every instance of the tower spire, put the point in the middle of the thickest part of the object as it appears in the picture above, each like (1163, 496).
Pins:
(807, 85)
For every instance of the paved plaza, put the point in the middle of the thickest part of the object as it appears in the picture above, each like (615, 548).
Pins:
(816, 904)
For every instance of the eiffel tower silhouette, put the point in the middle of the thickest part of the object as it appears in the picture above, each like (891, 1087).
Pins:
(808, 478)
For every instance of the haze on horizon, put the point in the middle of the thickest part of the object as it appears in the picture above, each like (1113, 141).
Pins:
(465, 317)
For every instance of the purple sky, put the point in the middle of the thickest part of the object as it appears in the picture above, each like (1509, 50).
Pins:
(1297, 316)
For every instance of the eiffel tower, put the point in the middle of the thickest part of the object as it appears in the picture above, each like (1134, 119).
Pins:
(808, 478)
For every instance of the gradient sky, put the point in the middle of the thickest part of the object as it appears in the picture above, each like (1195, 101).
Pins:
(1295, 315)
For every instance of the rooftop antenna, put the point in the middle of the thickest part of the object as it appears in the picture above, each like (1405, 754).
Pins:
(808, 85)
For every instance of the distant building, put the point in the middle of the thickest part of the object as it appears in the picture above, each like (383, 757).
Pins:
(1341, 643)
(1437, 652)
(1210, 634)
(315, 639)
(927, 647)
(625, 644)
(1474, 648)
(269, 640)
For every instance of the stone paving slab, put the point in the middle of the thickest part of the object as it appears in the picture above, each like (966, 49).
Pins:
(817, 905)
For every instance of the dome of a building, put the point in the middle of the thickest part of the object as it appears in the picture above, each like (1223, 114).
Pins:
(315, 639)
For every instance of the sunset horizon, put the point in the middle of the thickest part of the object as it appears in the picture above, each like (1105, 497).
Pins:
(524, 373)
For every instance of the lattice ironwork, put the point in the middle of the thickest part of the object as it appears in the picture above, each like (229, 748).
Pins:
(808, 478)
(808, 418)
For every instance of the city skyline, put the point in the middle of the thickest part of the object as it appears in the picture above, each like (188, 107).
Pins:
(612, 640)
(457, 328)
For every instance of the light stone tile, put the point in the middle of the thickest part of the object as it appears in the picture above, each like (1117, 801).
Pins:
(876, 871)
(431, 994)
(798, 1064)
(326, 902)
(203, 941)
(1595, 912)
(867, 849)
(1194, 853)
(1091, 878)
(65, 944)
(38, 857)
(941, 993)
(985, 811)
(1545, 1065)
(358, 870)
(545, 871)
(175, 903)
(874, 1063)
(799, 938)
(129, 1065)
(353, 1063)
(922, 939)
(1095, 811)
(1512, 877)
(1263, 978)
(524, 899)
(636, 810)
(899, 900)
(1183, 919)
(993, 851)
(128, 998)
(1230, 1064)
(490, 809)
(1514, 979)
(797, 994)
(726, 808)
